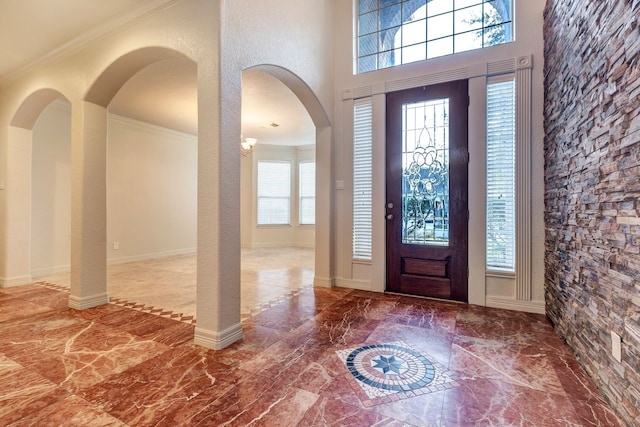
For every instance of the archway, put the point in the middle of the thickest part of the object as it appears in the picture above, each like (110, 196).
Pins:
(19, 184)
(277, 194)
(89, 195)
(324, 271)
(152, 181)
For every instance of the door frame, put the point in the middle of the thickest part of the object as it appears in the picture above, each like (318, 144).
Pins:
(458, 92)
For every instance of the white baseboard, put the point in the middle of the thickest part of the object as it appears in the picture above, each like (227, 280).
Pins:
(144, 257)
(61, 269)
(8, 282)
(517, 305)
(360, 285)
(50, 271)
(217, 340)
(276, 245)
(83, 303)
(324, 282)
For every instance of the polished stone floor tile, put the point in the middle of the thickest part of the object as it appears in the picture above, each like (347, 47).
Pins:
(493, 403)
(308, 357)
(69, 412)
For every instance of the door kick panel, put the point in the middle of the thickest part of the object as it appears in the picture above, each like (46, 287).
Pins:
(425, 267)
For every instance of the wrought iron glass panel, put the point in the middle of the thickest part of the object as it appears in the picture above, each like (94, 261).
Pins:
(425, 173)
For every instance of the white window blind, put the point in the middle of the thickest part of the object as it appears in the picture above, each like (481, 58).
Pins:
(362, 171)
(274, 192)
(307, 192)
(501, 158)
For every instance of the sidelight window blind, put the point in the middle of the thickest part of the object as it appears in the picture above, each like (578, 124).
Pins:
(274, 193)
(501, 157)
(362, 182)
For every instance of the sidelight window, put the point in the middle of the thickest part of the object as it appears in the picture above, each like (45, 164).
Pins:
(501, 158)
(362, 179)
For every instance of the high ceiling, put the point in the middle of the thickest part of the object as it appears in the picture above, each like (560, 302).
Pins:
(164, 93)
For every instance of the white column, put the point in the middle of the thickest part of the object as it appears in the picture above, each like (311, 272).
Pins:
(523, 178)
(18, 205)
(218, 277)
(88, 206)
(325, 217)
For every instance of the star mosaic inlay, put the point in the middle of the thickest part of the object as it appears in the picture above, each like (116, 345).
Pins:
(378, 372)
(390, 363)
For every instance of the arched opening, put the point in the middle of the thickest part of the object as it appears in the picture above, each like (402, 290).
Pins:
(277, 192)
(131, 170)
(152, 164)
(38, 186)
(323, 264)
(150, 113)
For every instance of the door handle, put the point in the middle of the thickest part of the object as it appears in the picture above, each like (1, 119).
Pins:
(390, 217)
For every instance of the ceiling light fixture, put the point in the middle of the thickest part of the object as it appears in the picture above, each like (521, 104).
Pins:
(246, 146)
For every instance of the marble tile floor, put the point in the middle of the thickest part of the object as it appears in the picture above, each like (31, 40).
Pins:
(323, 357)
(267, 276)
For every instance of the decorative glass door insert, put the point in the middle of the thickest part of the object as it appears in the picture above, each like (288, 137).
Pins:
(425, 172)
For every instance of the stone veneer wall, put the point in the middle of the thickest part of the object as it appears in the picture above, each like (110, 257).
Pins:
(592, 188)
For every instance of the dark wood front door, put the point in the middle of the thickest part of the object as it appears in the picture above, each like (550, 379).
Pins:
(427, 184)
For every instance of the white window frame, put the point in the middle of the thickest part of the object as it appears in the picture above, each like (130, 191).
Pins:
(301, 196)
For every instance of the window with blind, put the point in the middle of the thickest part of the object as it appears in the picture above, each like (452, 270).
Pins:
(501, 157)
(307, 193)
(274, 193)
(362, 182)
(395, 32)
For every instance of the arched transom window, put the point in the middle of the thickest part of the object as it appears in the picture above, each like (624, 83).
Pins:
(395, 32)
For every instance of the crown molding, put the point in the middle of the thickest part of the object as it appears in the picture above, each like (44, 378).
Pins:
(150, 127)
(106, 29)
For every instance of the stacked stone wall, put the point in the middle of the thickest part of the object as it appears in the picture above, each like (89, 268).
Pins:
(592, 188)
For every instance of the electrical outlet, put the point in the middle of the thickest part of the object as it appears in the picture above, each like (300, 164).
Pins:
(116, 246)
(616, 346)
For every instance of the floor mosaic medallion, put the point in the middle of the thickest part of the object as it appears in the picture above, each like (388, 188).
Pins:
(386, 372)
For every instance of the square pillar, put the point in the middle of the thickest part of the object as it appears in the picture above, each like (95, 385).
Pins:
(218, 277)
(88, 206)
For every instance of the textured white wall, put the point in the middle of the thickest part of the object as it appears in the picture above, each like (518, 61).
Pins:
(51, 191)
(151, 191)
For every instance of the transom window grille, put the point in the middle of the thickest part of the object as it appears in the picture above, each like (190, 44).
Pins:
(307, 192)
(274, 193)
(395, 32)
(501, 158)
